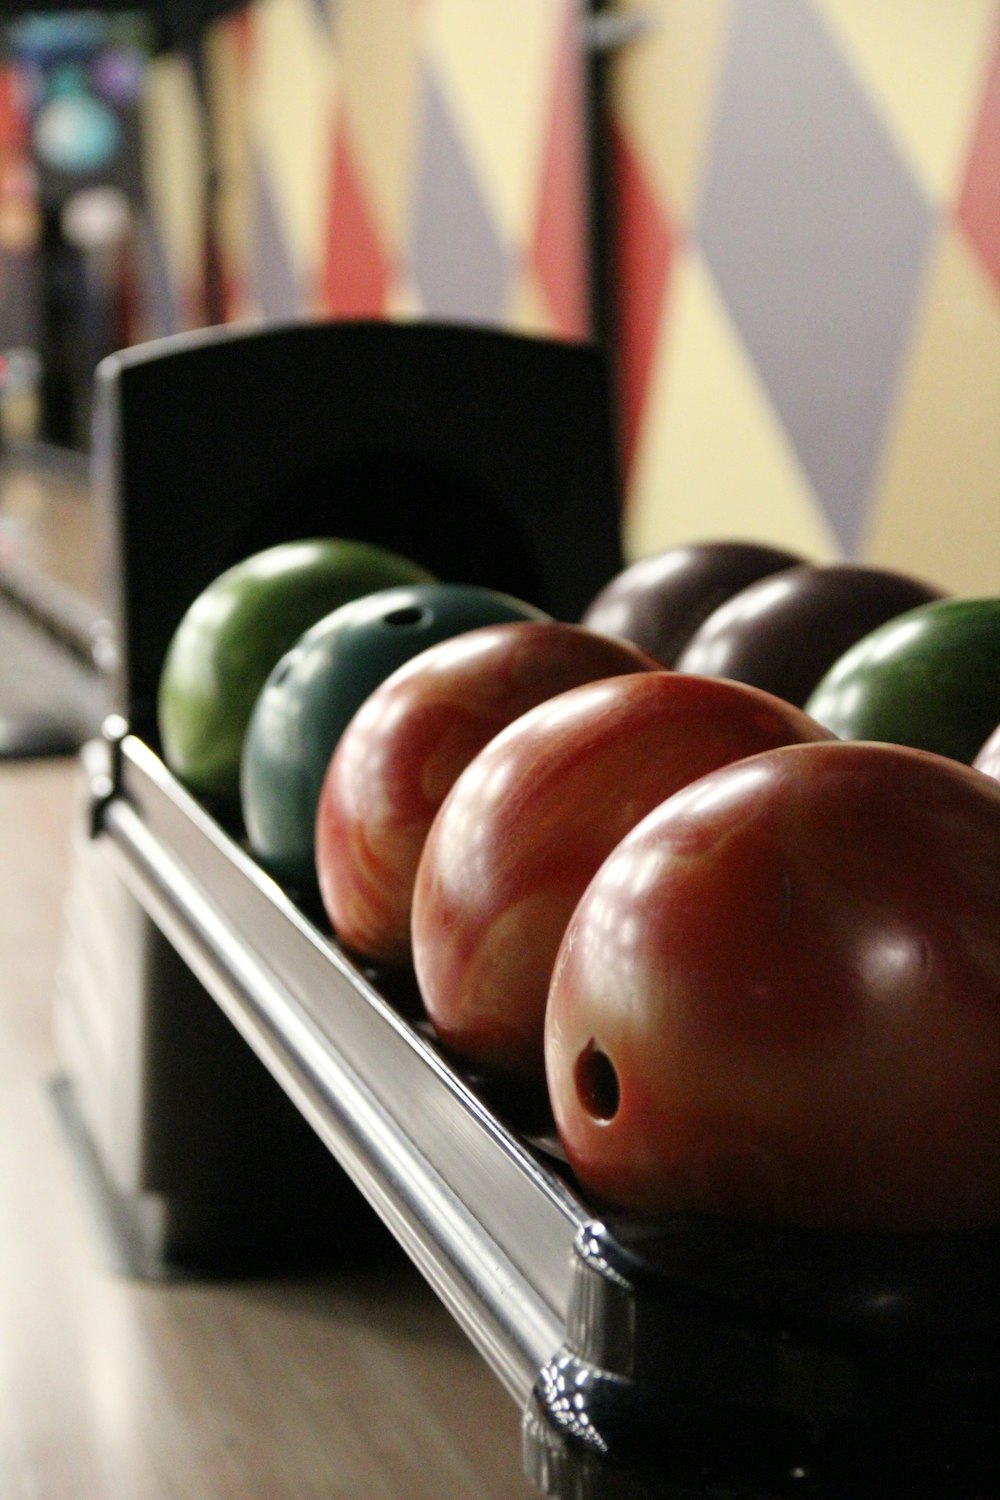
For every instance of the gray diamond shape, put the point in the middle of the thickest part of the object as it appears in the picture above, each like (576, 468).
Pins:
(326, 14)
(273, 275)
(816, 235)
(458, 259)
(161, 302)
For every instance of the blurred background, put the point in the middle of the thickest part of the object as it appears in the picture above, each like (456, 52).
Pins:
(781, 217)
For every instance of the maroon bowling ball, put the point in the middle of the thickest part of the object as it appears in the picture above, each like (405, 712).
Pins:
(660, 601)
(784, 632)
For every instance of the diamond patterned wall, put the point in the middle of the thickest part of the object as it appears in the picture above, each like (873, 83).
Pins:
(388, 158)
(808, 208)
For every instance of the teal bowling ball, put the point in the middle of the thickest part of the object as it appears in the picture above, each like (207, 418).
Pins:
(315, 690)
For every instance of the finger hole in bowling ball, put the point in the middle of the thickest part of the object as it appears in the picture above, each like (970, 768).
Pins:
(410, 614)
(597, 1082)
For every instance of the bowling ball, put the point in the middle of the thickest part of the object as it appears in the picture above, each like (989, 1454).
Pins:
(928, 678)
(232, 635)
(315, 690)
(660, 601)
(408, 743)
(783, 632)
(527, 823)
(779, 998)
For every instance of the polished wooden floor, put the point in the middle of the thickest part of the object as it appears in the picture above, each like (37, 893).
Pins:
(45, 517)
(353, 1386)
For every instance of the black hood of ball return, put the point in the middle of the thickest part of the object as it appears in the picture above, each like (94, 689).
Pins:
(486, 456)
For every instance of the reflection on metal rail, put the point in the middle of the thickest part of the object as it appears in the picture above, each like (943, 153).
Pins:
(490, 1227)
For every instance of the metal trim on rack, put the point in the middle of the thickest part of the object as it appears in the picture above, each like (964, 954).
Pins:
(487, 1222)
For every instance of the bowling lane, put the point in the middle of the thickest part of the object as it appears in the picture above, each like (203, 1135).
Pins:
(50, 695)
(46, 518)
(49, 700)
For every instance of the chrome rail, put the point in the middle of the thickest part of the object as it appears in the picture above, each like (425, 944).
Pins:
(489, 1223)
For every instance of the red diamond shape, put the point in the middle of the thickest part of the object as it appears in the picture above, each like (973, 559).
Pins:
(979, 203)
(559, 248)
(356, 270)
(643, 255)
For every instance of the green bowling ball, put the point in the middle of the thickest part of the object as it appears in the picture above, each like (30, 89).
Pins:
(230, 637)
(315, 690)
(930, 678)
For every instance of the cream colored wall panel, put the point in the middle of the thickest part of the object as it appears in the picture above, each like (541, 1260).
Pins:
(713, 460)
(230, 133)
(528, 310)
(174, 166)
(937, 500)
(403, 300)
(377, 43)
(494, 58)
(293, 92)
(924, 62)
(664, 87)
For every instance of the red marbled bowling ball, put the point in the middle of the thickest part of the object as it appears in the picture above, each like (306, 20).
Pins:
(406, 746)
(527, 824)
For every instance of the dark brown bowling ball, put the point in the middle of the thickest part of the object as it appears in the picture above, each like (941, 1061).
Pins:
(660, 601)
(783, 632)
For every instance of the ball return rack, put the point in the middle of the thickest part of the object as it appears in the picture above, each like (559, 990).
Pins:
(681, 1358)
(250, 1093)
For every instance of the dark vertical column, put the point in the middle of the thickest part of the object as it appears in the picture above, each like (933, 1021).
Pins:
(187, 20)
(61, 298)
(600, 188)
